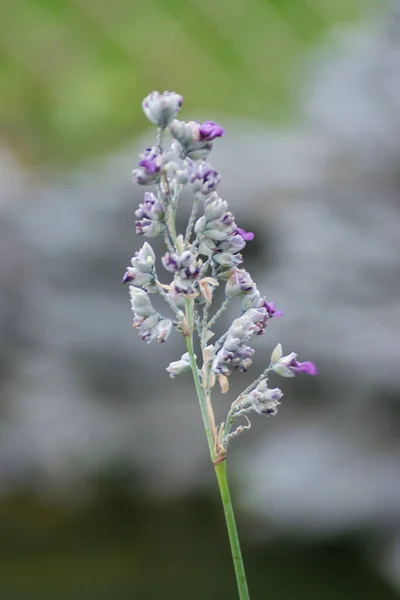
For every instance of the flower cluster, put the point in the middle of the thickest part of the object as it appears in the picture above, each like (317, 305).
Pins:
(204, 178)
(207, 254)
(195, 139)
(261, 399)
(149, 168)
(150, 216)
(186, 267)
(218, 236)
(149, 323)
(142, 273)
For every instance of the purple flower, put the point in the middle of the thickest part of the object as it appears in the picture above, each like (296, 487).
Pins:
(150, 216)
(171, 262)
(270, 308)
(142, 271)
(204, 179)
(176, 262)
(209, 130)
(289, 366)
(149, 168)
(239, 358)
(303, 367)
(149, 165)
(246, 235)
(150, 208)
(233, 244)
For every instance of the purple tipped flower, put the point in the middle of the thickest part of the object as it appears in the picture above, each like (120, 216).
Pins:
(270, 308)
(204, 179)
(246, 235)
(149, 168)
(240, 282)
(128, 276)
(209, 130)
(195, 138)
(142, 271)
(289, 366)
(149, 165)
(150, 216)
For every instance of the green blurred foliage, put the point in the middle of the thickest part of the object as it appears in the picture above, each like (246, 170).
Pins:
(119, 548)
(73, 72)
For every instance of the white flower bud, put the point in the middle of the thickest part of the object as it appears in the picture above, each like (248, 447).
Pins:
(140, 302)
(276, 354)
(179, 366)
(164, 328)
(161, 109)
(183, 132)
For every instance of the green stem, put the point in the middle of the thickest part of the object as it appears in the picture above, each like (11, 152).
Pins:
(220, 467)
(220, 471)
(196, 377)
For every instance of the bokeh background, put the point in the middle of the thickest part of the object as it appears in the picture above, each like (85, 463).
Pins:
(105, 488)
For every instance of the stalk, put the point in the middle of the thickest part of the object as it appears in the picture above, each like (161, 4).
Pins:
(220, 467)
(241, 581)
(196, 378)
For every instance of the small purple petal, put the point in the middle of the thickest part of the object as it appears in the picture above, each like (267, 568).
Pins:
(127, 277)
(210, 130)
(270, 308)
(149, 165)
(308, 367)
(246, 235)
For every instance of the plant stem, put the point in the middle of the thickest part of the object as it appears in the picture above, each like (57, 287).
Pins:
(220, 467)
(219, 312)
(220, 471)
(192, 220)
(196, 378)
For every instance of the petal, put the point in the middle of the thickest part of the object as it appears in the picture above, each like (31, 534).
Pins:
(276, 354)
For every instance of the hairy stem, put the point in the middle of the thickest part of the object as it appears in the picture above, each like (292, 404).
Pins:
(192, 220)
(204, 327)
(196, 377)
(219, 312)
(220, 471)
(251, 387)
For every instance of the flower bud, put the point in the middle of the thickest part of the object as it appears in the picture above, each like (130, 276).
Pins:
(227, 260)
(149, 168)
(179, 366)
(184, 133)
(161, 109)
(204, 179)
(142, 272)
(215, 207)
(195, 138)
(140, 302)
(150, 325)
(150, 216)
(164, 328)
(209, 130)
(239, 282)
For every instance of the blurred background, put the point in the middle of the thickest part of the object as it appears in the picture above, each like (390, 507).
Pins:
(105, 487)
